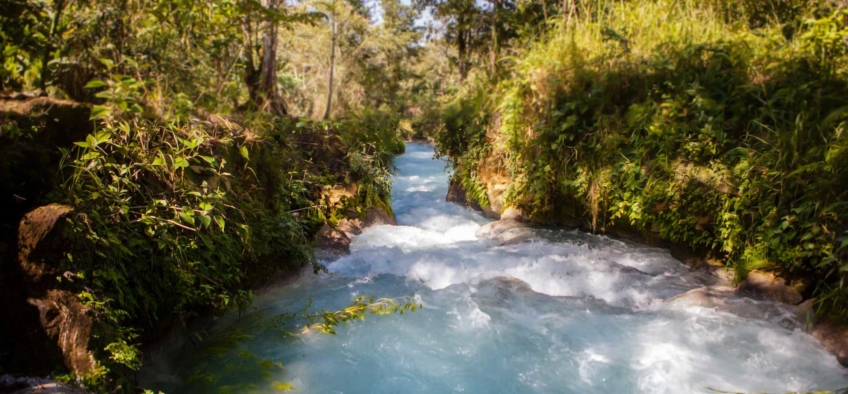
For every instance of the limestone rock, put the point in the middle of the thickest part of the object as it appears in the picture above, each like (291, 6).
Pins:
(458, 195)
(351, 225)
(505, 231)
(768, 286)
(500, 291)
(38, 241)
(834, 338)
(513, 213)
(726, 299)
(65, 319)
(376, 216)
(331, 242)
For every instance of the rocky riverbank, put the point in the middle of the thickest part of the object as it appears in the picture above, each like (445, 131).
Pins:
(513, 226)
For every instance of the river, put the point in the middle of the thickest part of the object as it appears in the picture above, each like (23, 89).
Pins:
(563, 312)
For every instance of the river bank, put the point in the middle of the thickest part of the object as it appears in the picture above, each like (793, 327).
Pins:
(561, 310)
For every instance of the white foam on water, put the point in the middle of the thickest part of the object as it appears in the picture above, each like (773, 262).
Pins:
(564, 313)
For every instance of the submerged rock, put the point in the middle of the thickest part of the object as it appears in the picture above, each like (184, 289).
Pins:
(726, 299)
(506, 231)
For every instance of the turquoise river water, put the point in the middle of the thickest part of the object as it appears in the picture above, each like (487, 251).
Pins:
(562, 312)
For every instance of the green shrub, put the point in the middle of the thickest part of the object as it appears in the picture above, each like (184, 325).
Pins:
(671, 119)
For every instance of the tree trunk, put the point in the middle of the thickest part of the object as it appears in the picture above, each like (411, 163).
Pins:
(58, 7)
(493, 55)
(251, 73)
(268, 78)
(332, 63)
(462, 49)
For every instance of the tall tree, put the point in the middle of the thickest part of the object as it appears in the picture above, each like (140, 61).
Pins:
(333, 37)
(261, 80)
(463, 21)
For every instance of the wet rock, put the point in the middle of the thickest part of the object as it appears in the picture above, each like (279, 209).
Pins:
(701, 262)
(709, 297)
(632, 271)
(500, 290)
(376, 216)
(726, 299)
(352, 225)
(495, 230)
(331, 243)
(64, 319)
(39, 241)
(458, 195)
(767, 285)
(513, 213)
(834, 337)
(28, 385)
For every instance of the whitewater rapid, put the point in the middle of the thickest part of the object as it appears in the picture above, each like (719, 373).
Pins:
(564, 312)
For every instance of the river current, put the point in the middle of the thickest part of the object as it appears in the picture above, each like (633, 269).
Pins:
(561, 312)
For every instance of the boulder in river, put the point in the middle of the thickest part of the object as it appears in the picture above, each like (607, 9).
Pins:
(351, 225)
(834, 337)
(513, 213)
(726, 299)
(331, 243)
(771, 287)
(505, 231)
(376, 216)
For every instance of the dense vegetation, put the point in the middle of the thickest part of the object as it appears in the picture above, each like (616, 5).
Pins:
(219, 129)
(715, 125)
(215, 130)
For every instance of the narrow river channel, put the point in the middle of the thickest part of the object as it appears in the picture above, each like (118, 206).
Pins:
(562, 312)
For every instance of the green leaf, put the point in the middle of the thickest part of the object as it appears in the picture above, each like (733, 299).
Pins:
(81, 144)
(244, 152)
(90, 155)
(208, 159)
(206, 220)
(180, 162)
(95, 84)
(108, 63)
(220, 221)
(99, 112)
(103, 136)
(187, 217)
